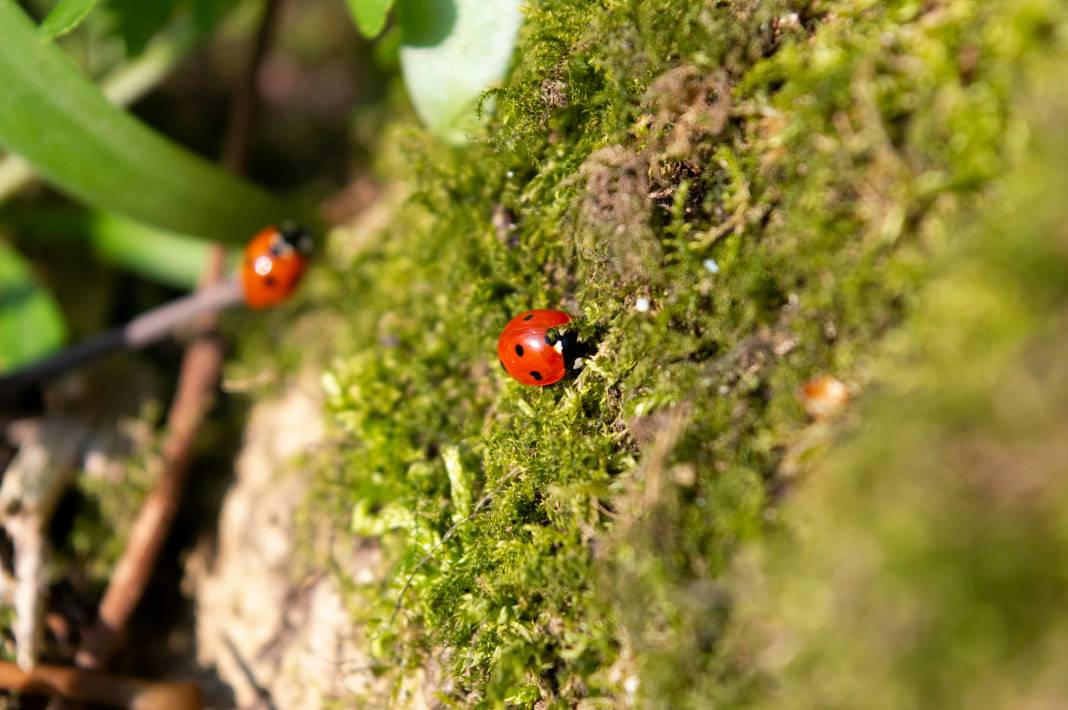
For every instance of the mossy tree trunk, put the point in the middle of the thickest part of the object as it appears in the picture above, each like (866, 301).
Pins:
(795, 190)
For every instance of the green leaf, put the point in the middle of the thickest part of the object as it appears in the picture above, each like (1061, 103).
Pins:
(452, 52)
(30, 322)
(64, 16)
(165, 257)
(62, 125)
(138, 21)
(208, 13)
(124, 85)
(370, 15)
(174, 259)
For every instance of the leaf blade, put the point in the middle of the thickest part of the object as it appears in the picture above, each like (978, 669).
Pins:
(453, 51)
(176, 260)
(75, 139)
(30, 321)
(64, 17)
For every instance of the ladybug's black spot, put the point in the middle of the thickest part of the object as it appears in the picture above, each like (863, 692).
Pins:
(270, 281)
(519, 350)
(529, 316)
(536, 375)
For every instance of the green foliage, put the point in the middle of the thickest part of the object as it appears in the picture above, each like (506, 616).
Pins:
(107, 510)
(165, 257)
(451, 52)
(62, 125)
(64, 16)
(30, 322)
(822, 154)
(370, 15)
(138, 22)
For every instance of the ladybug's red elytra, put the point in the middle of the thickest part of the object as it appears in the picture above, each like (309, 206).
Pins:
(526, 350)
(273, 264)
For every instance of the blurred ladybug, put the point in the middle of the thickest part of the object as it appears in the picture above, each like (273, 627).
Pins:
(274, 262)
(527, 351)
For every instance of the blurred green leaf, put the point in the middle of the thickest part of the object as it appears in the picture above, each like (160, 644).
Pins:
(138, 21)
(166, 257)
(64, 17)
(129, 81)
(30, 321)
(370, 15)
(65, 128)
(208, 13)
(453, 51)
(386, 51)
(155, 254)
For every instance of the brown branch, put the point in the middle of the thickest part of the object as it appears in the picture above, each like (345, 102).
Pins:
(197, 381)
(142, 331)
(100, 688)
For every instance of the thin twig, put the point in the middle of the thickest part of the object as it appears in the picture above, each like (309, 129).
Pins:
(197, 381)
(146, 329)
(100, 688)
(262, 693)
(482, 503)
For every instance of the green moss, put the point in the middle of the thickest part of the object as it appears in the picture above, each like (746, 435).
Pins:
(7, 643)
(106, 511)
(573, 543)
(925, 562)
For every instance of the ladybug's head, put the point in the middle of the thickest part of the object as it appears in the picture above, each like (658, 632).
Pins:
(296, 237)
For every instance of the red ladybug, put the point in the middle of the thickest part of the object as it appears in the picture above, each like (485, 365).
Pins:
(526, 351)
(274, 262)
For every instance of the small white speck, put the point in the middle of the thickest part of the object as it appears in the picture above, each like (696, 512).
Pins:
(330, 385)
(642, 305)
(559, 346)
(631, 685)
(262, 265)
(510, 173)
(711, 266)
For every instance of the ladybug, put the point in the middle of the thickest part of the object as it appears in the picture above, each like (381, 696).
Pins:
(274, 261)
(528, 353)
